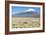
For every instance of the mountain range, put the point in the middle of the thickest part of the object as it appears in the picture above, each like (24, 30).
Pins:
(27, 14)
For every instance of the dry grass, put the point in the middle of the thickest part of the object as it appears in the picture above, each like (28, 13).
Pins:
(25, 22)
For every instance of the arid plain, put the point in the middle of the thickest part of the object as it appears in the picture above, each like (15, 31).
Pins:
(25, 22)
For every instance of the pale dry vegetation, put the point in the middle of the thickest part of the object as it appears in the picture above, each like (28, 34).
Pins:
(25, 22)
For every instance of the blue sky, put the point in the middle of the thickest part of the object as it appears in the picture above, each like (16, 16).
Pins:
(18, 9)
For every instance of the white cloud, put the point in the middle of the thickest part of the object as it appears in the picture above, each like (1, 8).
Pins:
(14, 12)
(29, 10)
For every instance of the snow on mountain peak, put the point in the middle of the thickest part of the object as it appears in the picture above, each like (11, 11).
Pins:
(29, 10)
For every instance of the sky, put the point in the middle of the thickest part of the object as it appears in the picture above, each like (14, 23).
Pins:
(18, 9)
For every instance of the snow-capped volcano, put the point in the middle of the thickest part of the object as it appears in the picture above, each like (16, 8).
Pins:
(29, 10)
(27, 13)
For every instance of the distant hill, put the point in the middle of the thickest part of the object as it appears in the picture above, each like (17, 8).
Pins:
(27, 14)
